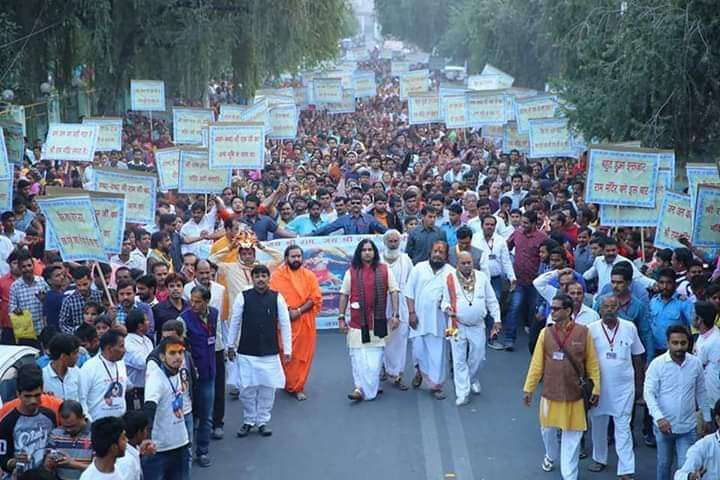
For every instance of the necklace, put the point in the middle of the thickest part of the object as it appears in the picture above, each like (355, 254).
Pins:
(468, 286)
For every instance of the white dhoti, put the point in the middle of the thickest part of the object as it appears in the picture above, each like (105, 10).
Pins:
(429, 353)
(366, 360)
(257, 378)
(623, 442)
(396, 350)
(468, 353)
(567, 449)
(231, 374)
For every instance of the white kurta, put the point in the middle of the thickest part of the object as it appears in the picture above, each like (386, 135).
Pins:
(707, 349)
(396, 341)
(617, 388)
(426, 288)
(265, 371)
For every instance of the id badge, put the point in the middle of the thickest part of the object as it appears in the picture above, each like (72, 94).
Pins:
(177, 403)
(611, 355)
(211, 340)
(355, 305)
(558, 356)
(492, 256)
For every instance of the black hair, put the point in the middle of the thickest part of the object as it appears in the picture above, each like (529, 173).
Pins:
(706, 312)
(135, 422)
(47, 334)
(147, 281)
(69, 407)
(171, 340)
(677, 329)
(357, 256)
(86, 332)
(427, 209)
(135, 318)
(110, 339)
(63, 343)
(29, 378)
(665, 254)
(176, 326)
(80, 272)
(623, 269)
(531, 216)
(291, 247)
(667, 273)
(259, 269)
(203, 291)
(106, 432)
(566, 301)
(124, 284)
(157, 237)
(608, 241)
(464, 232)
(683, 255)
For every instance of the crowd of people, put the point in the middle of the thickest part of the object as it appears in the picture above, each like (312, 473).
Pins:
(474, 247)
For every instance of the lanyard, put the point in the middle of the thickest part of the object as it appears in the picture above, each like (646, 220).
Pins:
(490, 244)
(107, 370)
(611, 341)
(167, 375)
(567, 337)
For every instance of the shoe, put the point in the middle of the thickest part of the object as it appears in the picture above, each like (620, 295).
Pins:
(234, 395)
(244, 430)
(510, 347)
(475, 387)
(496, 345)
(649, 439)
(218, 433)
(439, 394)
(203, 460)
(547, 464)
(462, 401)
(300, 396)
(596, 467)
(583, 455)
(417, 380)
(356, 395)
(399, 384)
(264, 431)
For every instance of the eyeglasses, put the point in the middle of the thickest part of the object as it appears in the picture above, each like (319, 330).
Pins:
(555, 309)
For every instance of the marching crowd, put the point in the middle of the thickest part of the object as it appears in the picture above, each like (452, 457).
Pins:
(474, 246)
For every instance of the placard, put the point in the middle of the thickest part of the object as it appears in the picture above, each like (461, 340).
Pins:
(550, 138)
(283, 122)
(364, 84)
(675, 220)
(139, 188)
(14, 141)
(147, 95)
(258, 113)
(188, 124)
(231, 113)
(167, 162)
(71, 142)
(73, 222)
(300, 96)
(706, 220)
(621, 176)
(455, 111)
(485, 108)
(634, 216)
(414, 82)
(698, 173)
(5, 170)
(424, 108)
(507, 79)
(526, 109)
(488, 82)
(327, 90)
(667, 162)
(6, 194)
(514, 140)
(346, 106)
(398, 67)
(236, 145)
(110, 132)
(196, 176)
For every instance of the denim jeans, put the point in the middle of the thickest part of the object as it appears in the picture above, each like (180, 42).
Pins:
(497, 285)
(669, 446)
(522, 307)
(190, 431)
(202, 411)
(169, 465)
(219, 403)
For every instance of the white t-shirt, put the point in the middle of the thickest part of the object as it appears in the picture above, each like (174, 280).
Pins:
(707, 349)
(168, 431)
(129, 465)
(102, 387)
(67, 388)
(92, 473)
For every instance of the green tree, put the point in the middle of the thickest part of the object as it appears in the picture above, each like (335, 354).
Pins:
(421, 22)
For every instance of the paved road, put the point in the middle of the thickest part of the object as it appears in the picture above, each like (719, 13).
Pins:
(402, 435)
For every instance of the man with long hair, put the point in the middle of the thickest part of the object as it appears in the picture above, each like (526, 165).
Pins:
(365, 287)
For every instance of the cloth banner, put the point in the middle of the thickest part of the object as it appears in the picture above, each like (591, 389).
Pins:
(110, 132)
(188, 124)
(147, 95)
(621, 176)
(236, 145)
(195, 174)
(139, 188)
(71, 142)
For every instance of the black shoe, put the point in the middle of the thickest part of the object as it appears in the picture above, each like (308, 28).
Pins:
(510, 347)
(244, 430)
(203, 460)
(264, 431)
(649, 440)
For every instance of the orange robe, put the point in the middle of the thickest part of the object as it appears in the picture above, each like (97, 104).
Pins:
(297, 287)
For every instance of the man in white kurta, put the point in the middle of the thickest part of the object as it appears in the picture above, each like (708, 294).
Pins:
(707, 348)
(396, 342)
(619, 352)
(467, 299)
(427, 321)
(256, 315)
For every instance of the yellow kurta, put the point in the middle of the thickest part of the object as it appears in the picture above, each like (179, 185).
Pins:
(559, 414)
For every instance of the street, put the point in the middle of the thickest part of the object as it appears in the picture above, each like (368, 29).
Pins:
(401, 435)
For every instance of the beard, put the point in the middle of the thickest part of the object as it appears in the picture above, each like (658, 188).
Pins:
(392, 254)
(294, 265)
(437, 264)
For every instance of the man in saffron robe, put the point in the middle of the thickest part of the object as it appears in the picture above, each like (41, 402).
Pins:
(300, 288)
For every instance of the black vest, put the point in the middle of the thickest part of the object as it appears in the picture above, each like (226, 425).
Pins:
(258, 336)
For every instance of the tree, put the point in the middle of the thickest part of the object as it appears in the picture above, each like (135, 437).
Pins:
(421, 22)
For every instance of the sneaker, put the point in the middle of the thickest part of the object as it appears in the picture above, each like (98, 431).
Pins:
(496, 345)
(218, 433)
(510, 347)
(244, 430)
(203, 460)
(547, 464)
(475, 387)
(264, 431)
(462, 401)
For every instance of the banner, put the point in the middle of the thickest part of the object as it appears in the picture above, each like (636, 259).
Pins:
(398, 67)
(195, 174)
(283, 122)
(139, 188)
(621, 176)
(526, 109)
(615, 216)
(167, 162)
(73, 222)
(514, 140)
(507, 79)
(485, 108)
(424, 108)
(706, 220)
(364, 84)
(5, 170)
(72, 142)
(698, 173)
(488, 82)
(347, 105)
(110, 132)
(258, 113)
(188, 124)
(417, 81)
(550, 138)
(231, 113)
(235, 145)
(109, 212)
(675, 220)
(14, 141)
(147, 95)
(327, 90)
(6, 194)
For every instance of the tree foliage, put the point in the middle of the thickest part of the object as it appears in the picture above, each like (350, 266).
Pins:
(422, 22)
(184, 42)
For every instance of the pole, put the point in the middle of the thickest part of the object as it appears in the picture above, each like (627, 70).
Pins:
(96, 265)
(151, 131)
(642, 243)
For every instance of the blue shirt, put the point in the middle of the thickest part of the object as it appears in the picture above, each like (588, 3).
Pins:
(450, 233)
(304, 226)
(261, 226)
(52, 305)
(583, 258)
(362, 224)
(664, 314)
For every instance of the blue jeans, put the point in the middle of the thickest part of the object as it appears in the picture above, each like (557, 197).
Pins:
(669, 444)
(522, 307)
(202, 411)
(190, 431)
(497, 285)
(170, 465)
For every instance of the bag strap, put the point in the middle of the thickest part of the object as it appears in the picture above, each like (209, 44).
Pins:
(569, 357)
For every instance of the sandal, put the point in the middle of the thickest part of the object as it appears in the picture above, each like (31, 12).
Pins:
(439, 394)
(399, 384)
(356, 395)
(417, 380)
(596, 467)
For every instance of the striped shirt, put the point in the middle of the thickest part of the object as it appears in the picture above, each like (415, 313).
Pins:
(77, 447)
(27, 296)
